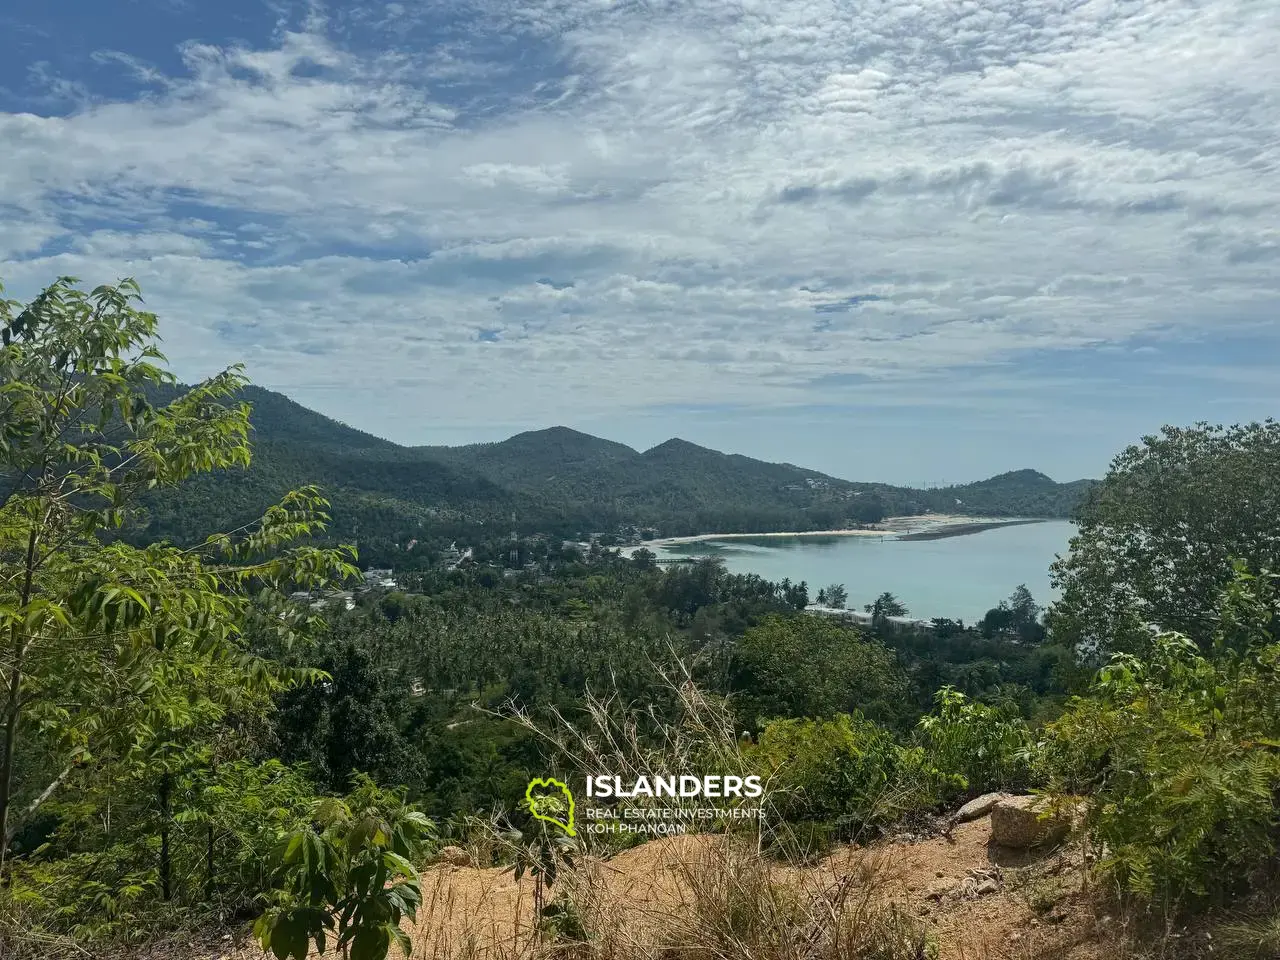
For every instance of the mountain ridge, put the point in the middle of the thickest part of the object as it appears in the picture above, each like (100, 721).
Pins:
(555, 480)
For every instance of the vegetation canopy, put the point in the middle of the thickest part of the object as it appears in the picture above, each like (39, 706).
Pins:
(199, 731)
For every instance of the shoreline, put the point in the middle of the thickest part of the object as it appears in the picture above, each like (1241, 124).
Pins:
(922, 527)
(963, 529)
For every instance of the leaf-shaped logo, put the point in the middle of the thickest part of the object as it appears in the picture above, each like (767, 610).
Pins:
(551, 801)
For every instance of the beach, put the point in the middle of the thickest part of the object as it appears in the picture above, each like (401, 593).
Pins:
(925, 526)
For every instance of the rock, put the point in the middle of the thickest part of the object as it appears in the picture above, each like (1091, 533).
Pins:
(979, 807)
(1024, 822)
(454, 856)
(987, 887)
(939, 889)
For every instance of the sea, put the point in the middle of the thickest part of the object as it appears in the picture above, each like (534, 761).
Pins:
(959, 577)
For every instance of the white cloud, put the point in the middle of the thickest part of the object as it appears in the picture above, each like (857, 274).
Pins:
(656, 200)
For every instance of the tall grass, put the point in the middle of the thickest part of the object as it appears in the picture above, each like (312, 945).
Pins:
(739, 891)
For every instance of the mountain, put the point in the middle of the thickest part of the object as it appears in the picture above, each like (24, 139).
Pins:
(557, 481)
(531, 461)
(375, 486)
(1020, 493)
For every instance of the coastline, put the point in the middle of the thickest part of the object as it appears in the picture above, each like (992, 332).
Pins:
(933, 526)
(962, 529)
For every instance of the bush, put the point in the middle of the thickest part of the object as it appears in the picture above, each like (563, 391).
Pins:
(348, 878)
(839, 772)
(812, 666)
(1183, 753)
(969, 748)
(81, 886)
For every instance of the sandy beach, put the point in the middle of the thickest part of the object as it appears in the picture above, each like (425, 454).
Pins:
(933, 523)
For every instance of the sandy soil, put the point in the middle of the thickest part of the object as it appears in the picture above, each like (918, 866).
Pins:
(890, 525)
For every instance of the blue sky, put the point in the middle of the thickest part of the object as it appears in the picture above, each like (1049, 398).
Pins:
(914, 242)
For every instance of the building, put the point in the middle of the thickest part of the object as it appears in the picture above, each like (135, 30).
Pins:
(380, 579)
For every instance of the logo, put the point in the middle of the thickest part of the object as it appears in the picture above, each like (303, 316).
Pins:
(551, 801)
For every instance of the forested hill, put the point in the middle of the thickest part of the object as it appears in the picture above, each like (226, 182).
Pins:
(557, 481)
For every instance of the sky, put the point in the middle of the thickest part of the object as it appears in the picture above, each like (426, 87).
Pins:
(917, 241)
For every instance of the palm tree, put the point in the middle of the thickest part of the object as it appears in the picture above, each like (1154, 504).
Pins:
(886, 605)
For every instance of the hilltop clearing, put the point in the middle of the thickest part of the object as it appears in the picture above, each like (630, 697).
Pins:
(971, 900)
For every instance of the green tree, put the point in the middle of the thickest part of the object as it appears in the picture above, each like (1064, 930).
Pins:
(644, 559)
(107, 648)
(885, 606)
(1178, 751)
(1158, 536)
(836, 771)
(349, 875)
(1019, 616)
(812, 666)
(836, 596)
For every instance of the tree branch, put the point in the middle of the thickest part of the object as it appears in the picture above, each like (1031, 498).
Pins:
(35, 804)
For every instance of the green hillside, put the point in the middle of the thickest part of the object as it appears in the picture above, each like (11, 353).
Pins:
(1023, 493)
(558, 481)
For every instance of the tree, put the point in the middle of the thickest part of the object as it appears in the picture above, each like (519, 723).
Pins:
(885, 606)
(1158, 537)
(349, 875)
(1177, 749)
(997, 621)
(644, 559)
(1018, 616)
(836, 596)
(109, 648)
(795, 595)
(813, 666)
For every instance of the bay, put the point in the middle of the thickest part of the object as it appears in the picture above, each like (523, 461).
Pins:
(960, 577)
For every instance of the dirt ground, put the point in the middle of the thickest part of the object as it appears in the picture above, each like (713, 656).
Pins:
(980, 902)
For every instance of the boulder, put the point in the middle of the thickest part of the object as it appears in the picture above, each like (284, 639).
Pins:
(454, 856)
(979, 807)
(1020, 823)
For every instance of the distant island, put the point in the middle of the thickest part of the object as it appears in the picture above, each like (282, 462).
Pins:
(561, 483)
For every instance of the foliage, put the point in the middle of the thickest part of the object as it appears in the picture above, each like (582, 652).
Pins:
(885, 606)
(115, 650)
(1019, 617)
(98, 877)
(129, 694)
(834, 596)
(967, 747)
(812, 666)
(1181, 753)
(542, 852)
(1158, 537)
(348, 878)
(838, 771)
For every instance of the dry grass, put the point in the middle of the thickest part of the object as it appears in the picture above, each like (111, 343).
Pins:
(696, 897)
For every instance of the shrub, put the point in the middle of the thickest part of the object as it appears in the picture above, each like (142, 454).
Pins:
(811, 666)
(839, 771)
(349, 876)
(968, 747)
(1182, 750)
(100, 885)
(738, 904)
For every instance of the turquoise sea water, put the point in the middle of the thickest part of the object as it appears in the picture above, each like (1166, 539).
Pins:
(958, 577)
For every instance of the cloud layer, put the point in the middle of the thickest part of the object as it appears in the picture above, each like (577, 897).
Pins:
(492, 211)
